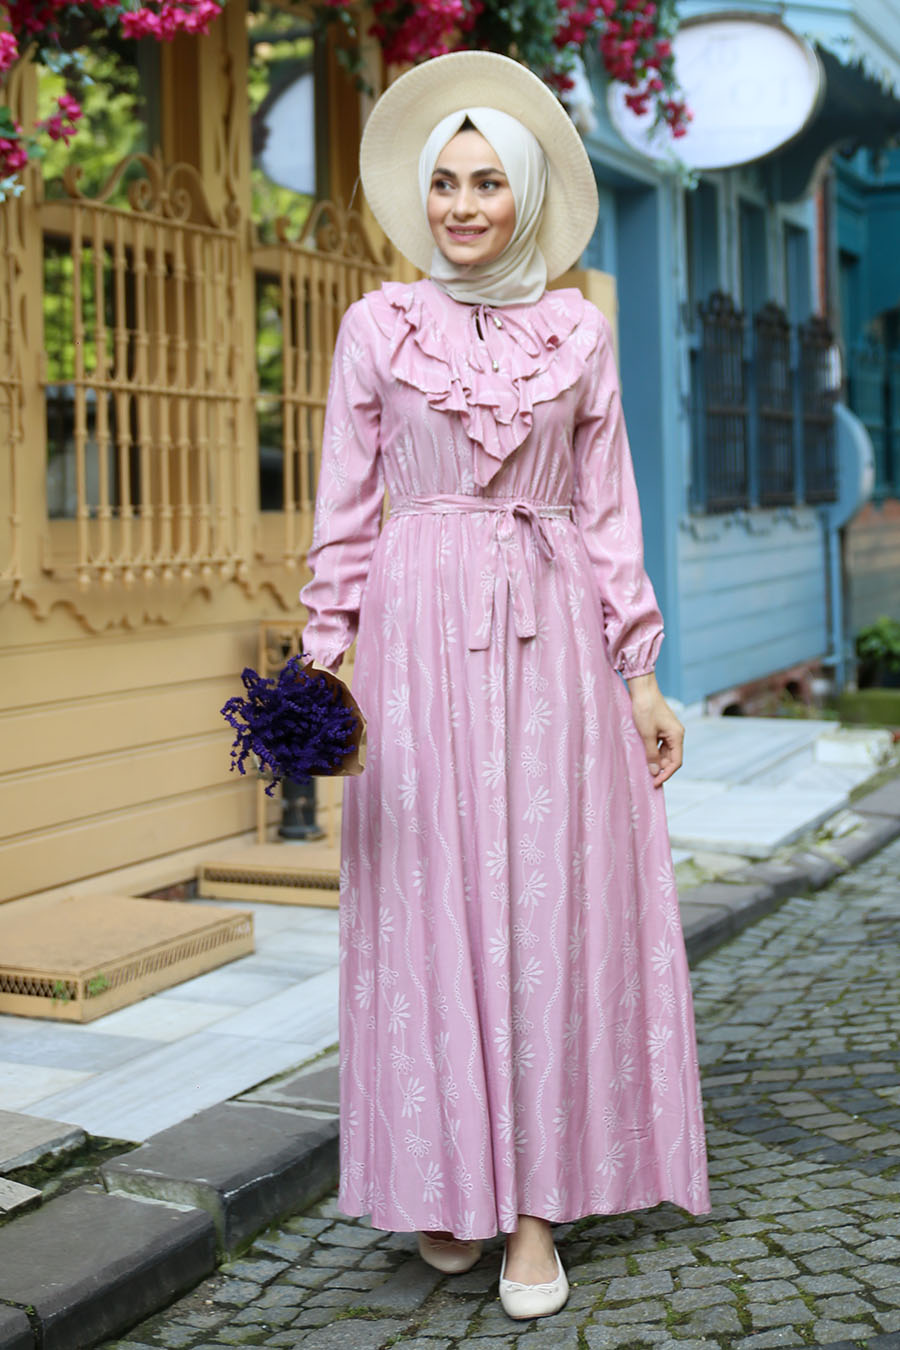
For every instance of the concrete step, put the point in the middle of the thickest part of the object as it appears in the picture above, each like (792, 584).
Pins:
(88, 1265)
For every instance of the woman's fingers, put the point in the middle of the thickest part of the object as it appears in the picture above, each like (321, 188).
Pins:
(660, 731)
(670, 753)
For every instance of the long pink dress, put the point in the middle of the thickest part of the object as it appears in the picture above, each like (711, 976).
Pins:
(516, 1021)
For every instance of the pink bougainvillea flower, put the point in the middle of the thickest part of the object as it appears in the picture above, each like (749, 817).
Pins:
(9, 50)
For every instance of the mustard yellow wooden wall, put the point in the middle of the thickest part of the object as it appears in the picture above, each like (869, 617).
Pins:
(113, 668)
(112, 749)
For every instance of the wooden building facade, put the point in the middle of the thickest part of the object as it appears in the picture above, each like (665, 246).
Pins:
(136, 559)
(165, 349)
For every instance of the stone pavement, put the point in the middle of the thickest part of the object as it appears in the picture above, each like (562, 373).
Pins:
(799, 1031)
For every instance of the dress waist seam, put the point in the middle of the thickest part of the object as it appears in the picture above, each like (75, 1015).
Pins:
(452, 504)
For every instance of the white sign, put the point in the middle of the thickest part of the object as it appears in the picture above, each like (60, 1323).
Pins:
(751, 85)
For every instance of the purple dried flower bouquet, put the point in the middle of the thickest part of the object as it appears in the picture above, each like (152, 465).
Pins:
(301, 725)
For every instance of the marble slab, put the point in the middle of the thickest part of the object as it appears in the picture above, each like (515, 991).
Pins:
(683, 793)
(74, 1047)
(22, 1085)
(161, 1019)
(734, 749)
(139, 1099)
(25, 1139)
(233, 983)
(294, 955)
(305, 946)
(819, 777)
(307, 1013)
(14, 1196)
(269, 920)
(754, 822)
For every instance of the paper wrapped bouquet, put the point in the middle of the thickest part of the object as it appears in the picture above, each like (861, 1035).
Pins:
(304, 724)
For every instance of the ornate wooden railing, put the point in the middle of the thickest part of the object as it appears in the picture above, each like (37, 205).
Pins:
(304, 285)
(145, 377)
(145, 395)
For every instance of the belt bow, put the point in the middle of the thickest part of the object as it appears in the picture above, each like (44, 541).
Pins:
(502, 553)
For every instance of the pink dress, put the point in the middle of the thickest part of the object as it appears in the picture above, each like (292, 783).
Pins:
(516, 1022)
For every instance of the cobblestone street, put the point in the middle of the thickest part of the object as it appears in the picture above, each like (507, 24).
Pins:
(798, 1022)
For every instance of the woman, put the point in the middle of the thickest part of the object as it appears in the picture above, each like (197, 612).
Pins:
(517, 1044)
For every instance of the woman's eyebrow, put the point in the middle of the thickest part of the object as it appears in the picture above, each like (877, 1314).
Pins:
(476, 173)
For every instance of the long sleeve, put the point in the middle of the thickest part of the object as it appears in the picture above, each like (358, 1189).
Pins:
(608, 515)
(349, 497)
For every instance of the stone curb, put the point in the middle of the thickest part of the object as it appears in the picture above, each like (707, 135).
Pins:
(717, 910)
(210, 1184)
(246, 1165)
(92, 1263)
(89, 1264)
(15, 1330)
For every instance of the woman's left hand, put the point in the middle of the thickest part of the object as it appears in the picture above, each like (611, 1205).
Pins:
(658, 727)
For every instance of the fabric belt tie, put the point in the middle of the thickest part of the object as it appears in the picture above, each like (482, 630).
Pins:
(502, 547)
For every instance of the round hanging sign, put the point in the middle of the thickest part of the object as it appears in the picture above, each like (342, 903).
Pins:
(751, 84)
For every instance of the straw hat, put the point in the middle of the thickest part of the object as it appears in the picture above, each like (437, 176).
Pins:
(412, 106)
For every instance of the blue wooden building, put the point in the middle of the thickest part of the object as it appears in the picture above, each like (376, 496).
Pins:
(867, 237)
(734, 342)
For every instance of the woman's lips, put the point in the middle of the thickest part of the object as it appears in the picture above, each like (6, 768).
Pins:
(460, 233)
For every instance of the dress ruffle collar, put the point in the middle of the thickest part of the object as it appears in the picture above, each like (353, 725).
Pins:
(491, 366)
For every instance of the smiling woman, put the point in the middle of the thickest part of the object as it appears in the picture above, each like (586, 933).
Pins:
(471, 207)
(482, 181)
(516, 1038)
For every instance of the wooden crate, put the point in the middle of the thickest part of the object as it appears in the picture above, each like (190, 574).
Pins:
(76, 958)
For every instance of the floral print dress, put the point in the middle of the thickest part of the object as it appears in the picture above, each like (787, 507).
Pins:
(516, 1022)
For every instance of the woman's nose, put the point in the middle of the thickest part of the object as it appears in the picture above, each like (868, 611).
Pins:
(464, 203)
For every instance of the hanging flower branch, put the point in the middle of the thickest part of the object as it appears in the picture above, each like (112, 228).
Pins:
(50, 33)
(632, 37)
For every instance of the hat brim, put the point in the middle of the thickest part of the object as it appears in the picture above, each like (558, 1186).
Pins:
(409, 109)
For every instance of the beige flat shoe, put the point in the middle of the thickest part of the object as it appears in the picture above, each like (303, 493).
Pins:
(453, 1256)
(524, 1301)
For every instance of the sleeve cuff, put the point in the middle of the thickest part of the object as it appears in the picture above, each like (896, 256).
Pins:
(640, 660)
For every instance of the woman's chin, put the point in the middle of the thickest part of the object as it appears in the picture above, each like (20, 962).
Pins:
(467, 255)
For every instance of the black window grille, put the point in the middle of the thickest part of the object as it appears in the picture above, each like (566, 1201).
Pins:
(721, 428)
(763, 394)
(775, 406)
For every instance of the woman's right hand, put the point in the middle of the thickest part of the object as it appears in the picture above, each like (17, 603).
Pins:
(658, 727)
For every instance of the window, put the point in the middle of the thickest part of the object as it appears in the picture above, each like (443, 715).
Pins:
(797, 274)
(702, 244)
(282, 89)
(121, 118)
(753, 255)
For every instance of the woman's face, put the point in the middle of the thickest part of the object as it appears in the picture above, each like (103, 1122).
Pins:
(471, 208)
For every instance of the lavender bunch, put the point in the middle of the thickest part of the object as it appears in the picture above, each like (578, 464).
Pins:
(296, 726)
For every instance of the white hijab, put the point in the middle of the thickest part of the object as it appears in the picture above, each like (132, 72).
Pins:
(518, 276)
